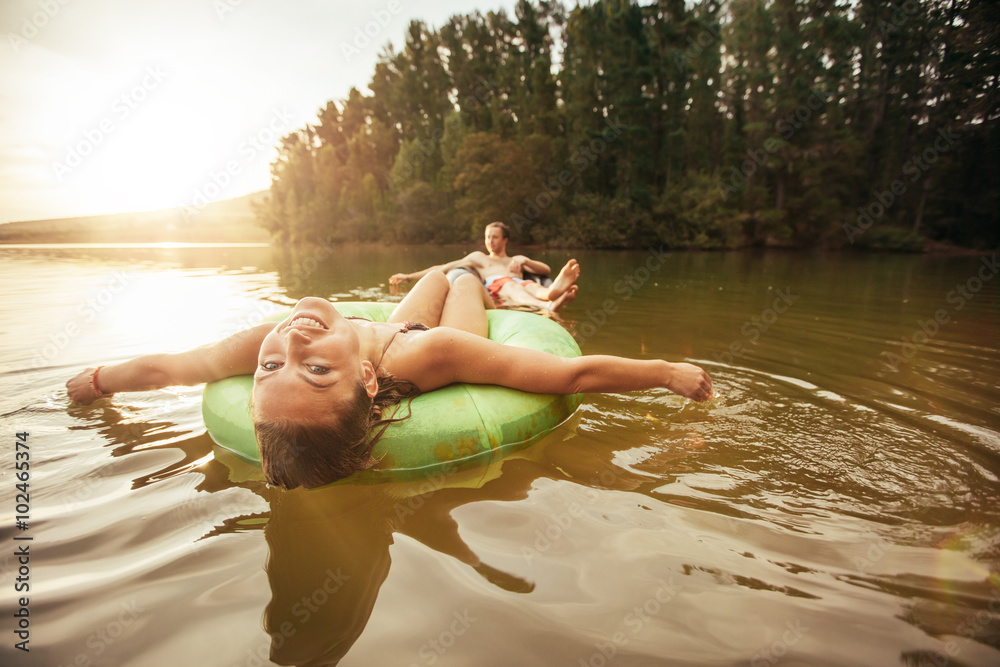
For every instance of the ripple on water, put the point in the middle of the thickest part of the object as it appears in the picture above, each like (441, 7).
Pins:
(802, 458)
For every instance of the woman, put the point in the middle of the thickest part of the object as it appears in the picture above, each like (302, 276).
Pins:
(322, 381)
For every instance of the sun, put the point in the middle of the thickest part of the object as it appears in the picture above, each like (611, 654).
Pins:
(159, 140)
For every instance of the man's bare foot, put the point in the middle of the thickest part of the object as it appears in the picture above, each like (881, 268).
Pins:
(564, 299)
(567, 277)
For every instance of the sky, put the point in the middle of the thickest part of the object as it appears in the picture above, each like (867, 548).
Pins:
(109, 106)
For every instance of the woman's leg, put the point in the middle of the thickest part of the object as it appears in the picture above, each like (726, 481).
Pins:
(465, 307)
(425, 302)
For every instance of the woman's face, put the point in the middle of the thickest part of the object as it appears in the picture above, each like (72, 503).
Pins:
(308, 364)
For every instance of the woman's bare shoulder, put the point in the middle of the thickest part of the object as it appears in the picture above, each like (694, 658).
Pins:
(428, 359)
(445, 356)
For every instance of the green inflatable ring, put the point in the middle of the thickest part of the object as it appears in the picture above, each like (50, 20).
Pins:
(453, 428)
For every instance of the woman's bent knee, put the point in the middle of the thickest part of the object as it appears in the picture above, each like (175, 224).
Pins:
(436, 277)
(468, 281)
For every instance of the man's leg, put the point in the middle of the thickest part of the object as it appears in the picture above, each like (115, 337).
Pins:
(514, 294)
(567, 277)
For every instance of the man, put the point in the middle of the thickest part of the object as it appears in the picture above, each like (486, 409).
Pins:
(504, 276)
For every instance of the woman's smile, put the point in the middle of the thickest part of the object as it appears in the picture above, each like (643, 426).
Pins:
(306, 321)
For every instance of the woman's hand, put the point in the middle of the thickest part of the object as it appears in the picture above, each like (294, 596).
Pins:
(690, 381)
(81, 389)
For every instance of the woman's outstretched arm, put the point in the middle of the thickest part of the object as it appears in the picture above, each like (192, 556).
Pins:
(234, 355)
(455, 356)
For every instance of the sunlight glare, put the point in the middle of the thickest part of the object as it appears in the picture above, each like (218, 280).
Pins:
(155, 161)
(152, 136)
(169, 312)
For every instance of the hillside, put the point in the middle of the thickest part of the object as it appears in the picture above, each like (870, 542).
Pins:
(228, 221)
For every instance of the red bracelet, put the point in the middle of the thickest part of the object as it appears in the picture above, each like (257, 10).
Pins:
(96, 387)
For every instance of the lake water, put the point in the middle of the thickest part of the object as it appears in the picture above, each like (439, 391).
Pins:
(836, 505)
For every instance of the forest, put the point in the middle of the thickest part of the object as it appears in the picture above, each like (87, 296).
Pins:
(617, 124)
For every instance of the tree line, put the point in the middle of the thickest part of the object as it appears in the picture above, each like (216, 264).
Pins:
(616, 124)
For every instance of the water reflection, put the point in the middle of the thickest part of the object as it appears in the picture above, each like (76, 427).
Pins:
(825, 486)
(329, 556)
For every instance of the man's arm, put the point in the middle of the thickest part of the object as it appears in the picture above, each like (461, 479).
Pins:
(519, 264)
(451, 356)
(235, 355)
(469, 260)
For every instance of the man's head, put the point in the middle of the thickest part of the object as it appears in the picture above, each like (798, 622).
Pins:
(497, 235)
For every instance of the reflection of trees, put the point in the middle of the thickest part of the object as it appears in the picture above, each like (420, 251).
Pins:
(328, 269)
(308, 271)
(329, 554)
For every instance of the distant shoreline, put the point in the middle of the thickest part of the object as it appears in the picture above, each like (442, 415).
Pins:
(230, 221)
(164, 245)
(32, 241)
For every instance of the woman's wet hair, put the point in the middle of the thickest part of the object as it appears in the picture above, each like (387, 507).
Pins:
(310, 454)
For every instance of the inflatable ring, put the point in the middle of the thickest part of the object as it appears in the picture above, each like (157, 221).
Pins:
(454, 428)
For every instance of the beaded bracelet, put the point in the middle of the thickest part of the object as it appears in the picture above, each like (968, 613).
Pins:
(96, 387)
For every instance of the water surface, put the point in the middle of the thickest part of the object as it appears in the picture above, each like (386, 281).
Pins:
(837, 504)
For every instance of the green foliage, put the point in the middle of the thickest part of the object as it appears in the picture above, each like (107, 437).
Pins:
(420, 216)
(705, 125)
(595, 222)
(695, 215)
(894, 239)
